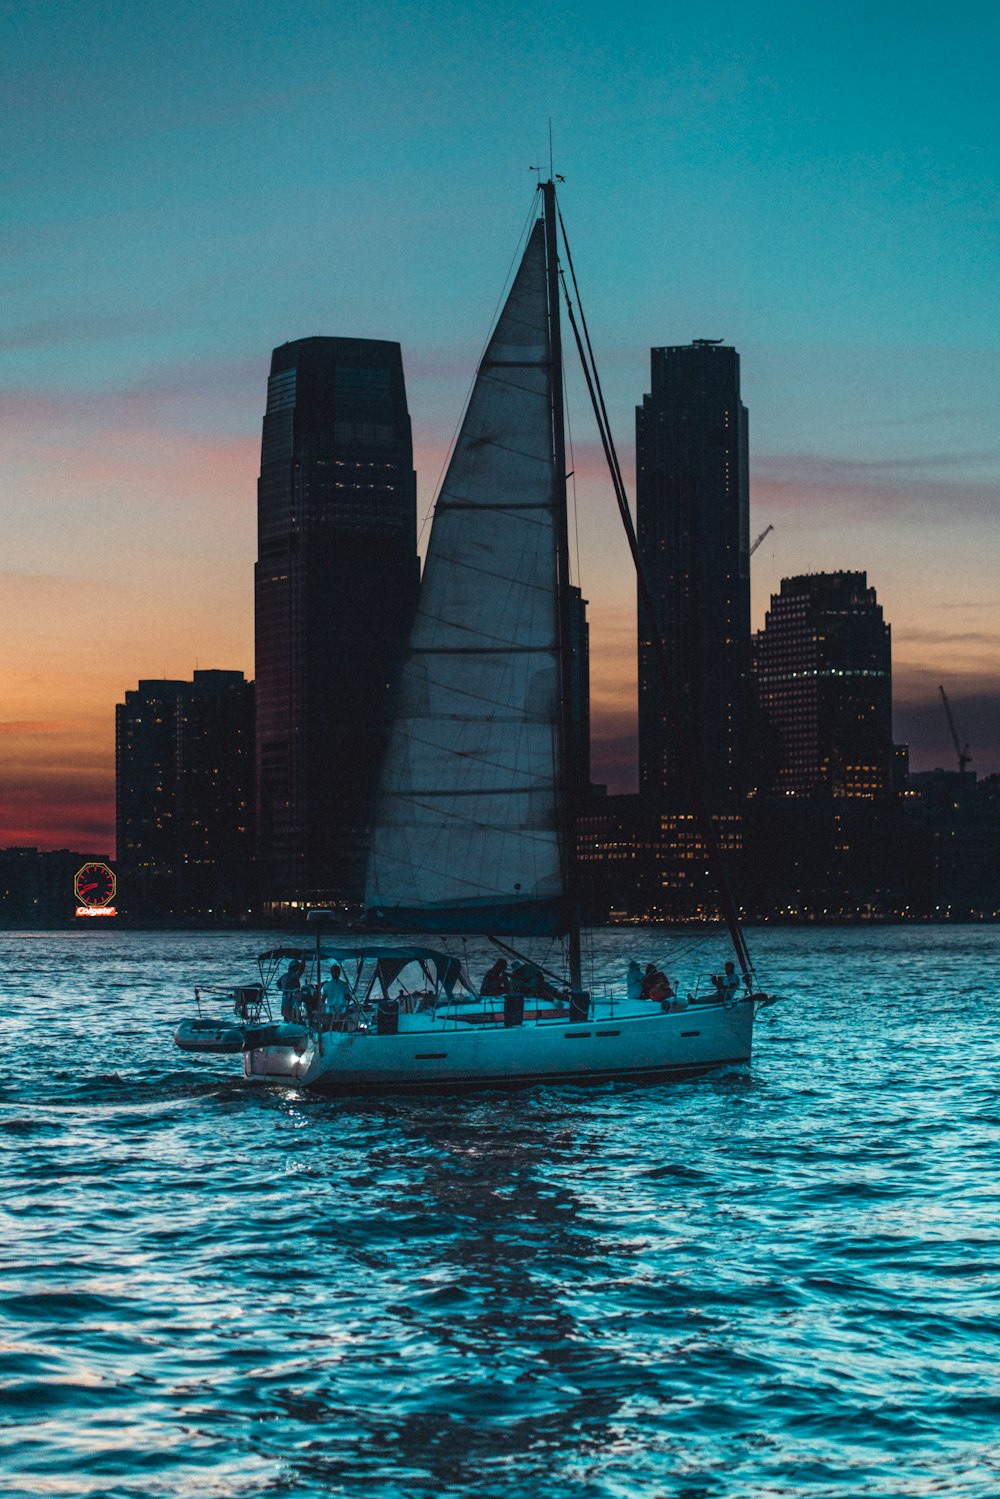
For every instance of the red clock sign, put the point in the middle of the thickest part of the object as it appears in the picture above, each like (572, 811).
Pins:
(95, 887)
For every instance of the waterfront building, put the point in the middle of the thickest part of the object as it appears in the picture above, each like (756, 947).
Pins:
(692, 504)
(37, 887)
(823, 670)
(335, 590)
(613, 853)
(184, 793)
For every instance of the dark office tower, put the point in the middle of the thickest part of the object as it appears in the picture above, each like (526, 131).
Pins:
(184, 781)
(824, 684)
(336, 586)
(693, 521)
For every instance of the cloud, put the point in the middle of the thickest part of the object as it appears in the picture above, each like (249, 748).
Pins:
(86, 456)
(59, 808)
(179, 395)
(836, 469)
(57, 332)
(27, 726)
(796, 483)
(916, 681)
(988, 639)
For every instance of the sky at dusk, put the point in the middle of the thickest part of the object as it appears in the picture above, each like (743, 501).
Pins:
(189, 185)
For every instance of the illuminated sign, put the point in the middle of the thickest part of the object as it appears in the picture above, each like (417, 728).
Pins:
(94, 887)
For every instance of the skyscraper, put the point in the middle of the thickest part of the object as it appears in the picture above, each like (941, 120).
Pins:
(692, 502)
(823, 668)
(335, 588)
(184, 783)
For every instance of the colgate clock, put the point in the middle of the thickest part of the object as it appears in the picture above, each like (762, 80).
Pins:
(95, 887)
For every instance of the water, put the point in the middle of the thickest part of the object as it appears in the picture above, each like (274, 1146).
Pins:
(776, 1280)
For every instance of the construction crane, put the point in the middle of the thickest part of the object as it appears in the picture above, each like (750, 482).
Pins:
(963, 754)
(760, 538)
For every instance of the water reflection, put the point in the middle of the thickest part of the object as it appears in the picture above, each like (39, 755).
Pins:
(776, 1280)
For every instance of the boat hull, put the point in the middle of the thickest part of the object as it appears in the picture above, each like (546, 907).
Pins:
(434, 1059)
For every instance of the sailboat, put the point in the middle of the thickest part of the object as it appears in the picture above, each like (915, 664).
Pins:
(475, 828)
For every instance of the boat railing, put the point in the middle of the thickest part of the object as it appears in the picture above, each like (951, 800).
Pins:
(708, 992)
(248, 1002)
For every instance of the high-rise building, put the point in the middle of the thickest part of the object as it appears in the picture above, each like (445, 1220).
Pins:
(335, 589)
(823, 668)
(184, 782)
(692, 502)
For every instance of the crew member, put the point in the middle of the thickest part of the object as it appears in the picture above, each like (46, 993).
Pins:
(496, 980)
(290, 985)
(336, 996)
(726, 984)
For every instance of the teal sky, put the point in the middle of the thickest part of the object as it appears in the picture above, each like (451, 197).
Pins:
(187, 186)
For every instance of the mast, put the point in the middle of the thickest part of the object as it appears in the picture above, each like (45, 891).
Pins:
(569, 788)
(727, 905)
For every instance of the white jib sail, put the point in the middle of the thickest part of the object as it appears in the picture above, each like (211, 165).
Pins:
(467, 823)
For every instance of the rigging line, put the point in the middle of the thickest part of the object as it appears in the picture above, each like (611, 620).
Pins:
(571, 476)
(450, 450)
(706, 830)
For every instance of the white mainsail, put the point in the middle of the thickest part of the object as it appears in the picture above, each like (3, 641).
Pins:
(467, 834)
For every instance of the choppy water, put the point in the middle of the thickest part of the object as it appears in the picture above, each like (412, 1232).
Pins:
(776, 1280)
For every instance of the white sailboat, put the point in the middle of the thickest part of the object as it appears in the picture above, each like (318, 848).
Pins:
(475, 831)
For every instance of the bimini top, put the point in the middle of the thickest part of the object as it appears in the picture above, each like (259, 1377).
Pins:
(387, 957)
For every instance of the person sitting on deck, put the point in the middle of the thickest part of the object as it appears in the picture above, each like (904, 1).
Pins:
(726, 984)
(655, 984)
(528, 980)
(522, 979)
(633, 981)
(495, 980)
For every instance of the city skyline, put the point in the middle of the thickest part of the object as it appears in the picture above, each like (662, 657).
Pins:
(819, 193)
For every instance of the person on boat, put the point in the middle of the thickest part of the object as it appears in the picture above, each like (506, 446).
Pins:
(336, 996)
(655, 985)
(521, 979)
(528, 980)
(450, 977)
(726, 984)
(290, 986)
(496, 980)
(633, 981)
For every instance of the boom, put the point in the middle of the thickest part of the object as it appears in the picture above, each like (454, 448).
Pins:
(760, 538)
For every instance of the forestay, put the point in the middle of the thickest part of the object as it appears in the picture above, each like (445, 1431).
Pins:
(467, 831)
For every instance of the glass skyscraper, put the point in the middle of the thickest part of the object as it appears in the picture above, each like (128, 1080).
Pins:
(335, 589)
(693, 516)
(824, 684)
